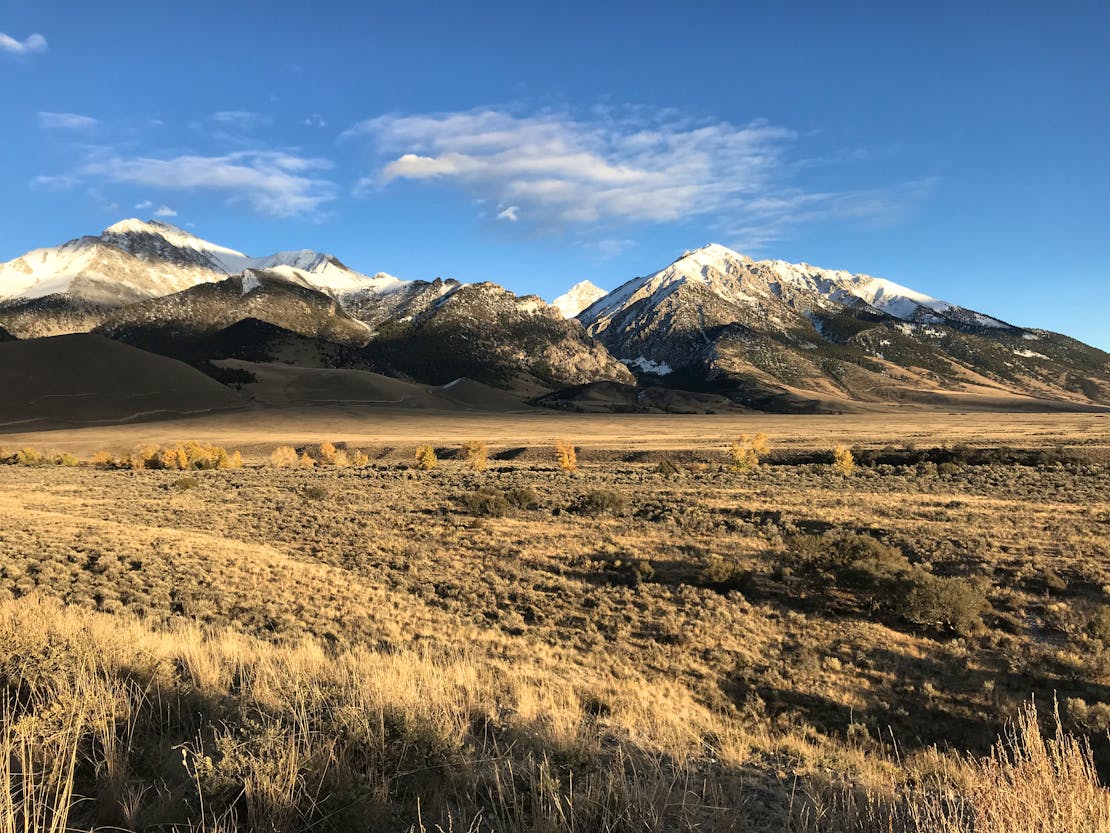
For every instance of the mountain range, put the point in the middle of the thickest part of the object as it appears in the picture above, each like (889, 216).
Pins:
(713, 329)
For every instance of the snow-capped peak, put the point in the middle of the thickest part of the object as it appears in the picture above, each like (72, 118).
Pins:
(577, 298)
(119, 233)
(717, 267)
(135, 259)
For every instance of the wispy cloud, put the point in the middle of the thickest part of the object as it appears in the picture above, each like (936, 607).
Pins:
(144, 205)
(775, 217)
(275, 183)
(509, 213)
(241, 119)
(165, 211)
(66, 121)
(33, 43)
(638, 165)
(611, 248)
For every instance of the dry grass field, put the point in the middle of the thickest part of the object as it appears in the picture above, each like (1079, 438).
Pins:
(655, 640)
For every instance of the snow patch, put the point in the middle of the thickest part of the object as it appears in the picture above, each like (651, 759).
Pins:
(250, 283)
(1029, 354)
(646, 365)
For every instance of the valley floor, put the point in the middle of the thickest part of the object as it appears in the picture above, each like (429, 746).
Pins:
(256, 432)
(630, 646)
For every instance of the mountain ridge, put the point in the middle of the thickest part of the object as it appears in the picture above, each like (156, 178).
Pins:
(766, 333)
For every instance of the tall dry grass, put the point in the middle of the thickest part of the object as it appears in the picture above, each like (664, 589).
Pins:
(1029, 783)
(115, 724)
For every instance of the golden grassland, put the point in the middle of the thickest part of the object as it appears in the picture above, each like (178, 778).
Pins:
(648, 640)
(256, 432)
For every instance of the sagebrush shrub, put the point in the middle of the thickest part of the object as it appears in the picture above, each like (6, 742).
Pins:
(667, 468)
(1098, 625)
(315, 492)
(937, 601)
(523, 497)
(723, 575)
(603, 500)
(487, 501)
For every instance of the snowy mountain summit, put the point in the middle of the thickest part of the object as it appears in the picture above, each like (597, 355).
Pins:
(766, 334)
(71, 288)
(577, 298)
(737, 279)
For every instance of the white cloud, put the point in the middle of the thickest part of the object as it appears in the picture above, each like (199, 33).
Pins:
(509, 213)
(560, 170)
(144, 205)
(165, 211)
(276, 183)
(34, 43)
(614, 168)
(66, 121)
(315, 120)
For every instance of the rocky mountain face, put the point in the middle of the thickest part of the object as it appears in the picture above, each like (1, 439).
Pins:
(155, 286)
(765, 334)
(482, 331)
(797, 337)
(279, 297)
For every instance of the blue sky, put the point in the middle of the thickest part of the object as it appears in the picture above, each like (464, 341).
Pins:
(961, 149)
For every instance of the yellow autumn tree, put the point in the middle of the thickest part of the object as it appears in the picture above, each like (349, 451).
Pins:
(284, 457)
(477, 455)
(566, 455)
(843, 461)
(747, 451)
(426, 458)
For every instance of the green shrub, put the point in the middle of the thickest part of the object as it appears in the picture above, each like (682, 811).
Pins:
(938, 602)
(603, 500)
(667, 468)
(854, 560)
(723, 575)
(523, 497)
(487, 502)
(630, 572)
(1098, 625)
